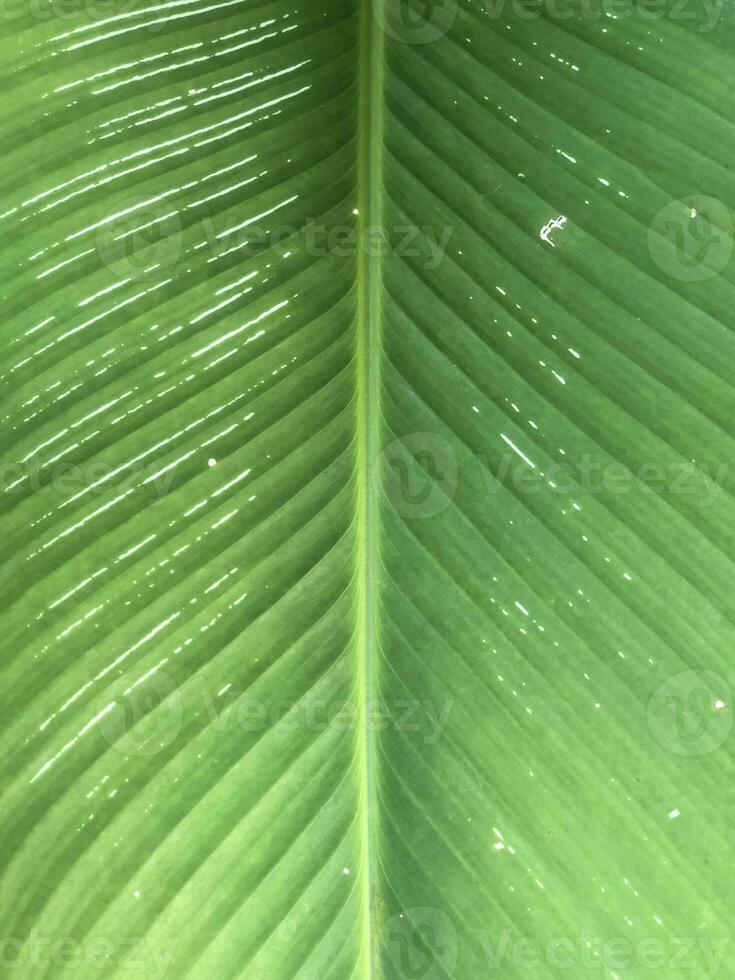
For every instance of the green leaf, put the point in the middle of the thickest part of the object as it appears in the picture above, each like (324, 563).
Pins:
(366, 495)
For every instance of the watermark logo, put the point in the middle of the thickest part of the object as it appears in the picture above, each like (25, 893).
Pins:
(691, 713)
(146, 717)
(421, 22)
(422, 943)
(691, 239)
(140, 239)
(420, 474)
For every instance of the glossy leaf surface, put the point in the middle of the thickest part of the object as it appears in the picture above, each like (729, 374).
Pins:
(367, 507)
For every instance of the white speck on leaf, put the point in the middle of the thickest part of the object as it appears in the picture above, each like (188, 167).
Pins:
(550, 226)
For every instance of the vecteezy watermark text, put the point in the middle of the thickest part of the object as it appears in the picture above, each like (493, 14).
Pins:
(423, 944)
(588, 951)
(148, 713)
(707, 13)
(72, 480)
(421, 475)
(142, 239)
(421, 22)
(105, 954)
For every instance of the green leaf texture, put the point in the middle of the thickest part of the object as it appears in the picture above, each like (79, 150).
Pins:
(366, 417)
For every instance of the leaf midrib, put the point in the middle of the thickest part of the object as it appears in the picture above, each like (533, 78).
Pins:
(368, 415)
